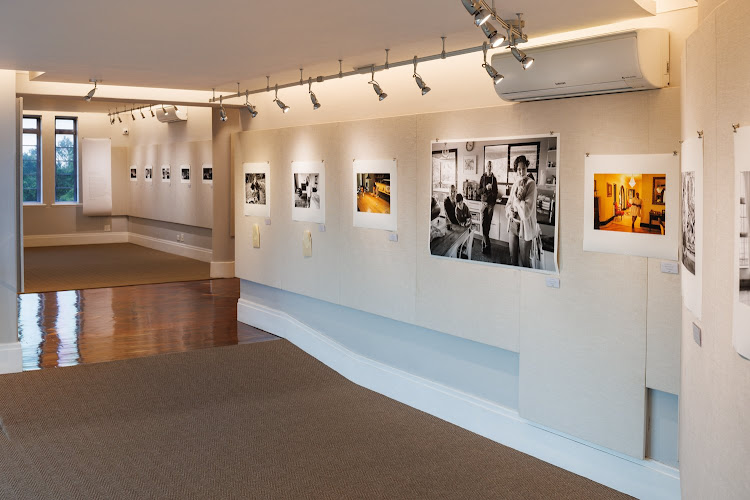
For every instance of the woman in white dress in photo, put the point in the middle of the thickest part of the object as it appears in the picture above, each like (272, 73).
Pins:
(635, 209)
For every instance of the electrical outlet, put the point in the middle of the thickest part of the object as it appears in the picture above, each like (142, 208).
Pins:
(552, 282)
(393, 237)
(107, 227)
(178, 237)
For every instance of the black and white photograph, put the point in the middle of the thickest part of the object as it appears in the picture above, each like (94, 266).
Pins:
(741, 282)
(688, 221)
(257, 177)
(505, 211)
(133, 173)
(208, 175)
(166, 173)
(255, 189)
(308, 191)
(305, 192)
(744, 243)
(148, 173)
(185, 174)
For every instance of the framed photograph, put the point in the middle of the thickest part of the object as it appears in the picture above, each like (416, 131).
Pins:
(133, 173)
(208, 174)
(375, 194)
(476, 216)
(166, 173)
(148, 173)
(741, 282)
(470, 164)
(185, 174)
(609, 190)
(308, 191)
(657, 196)
(257, 190)
(632, 226)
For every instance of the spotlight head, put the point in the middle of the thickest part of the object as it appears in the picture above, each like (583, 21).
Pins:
(376, 87)
(251, 109)
(132, 115)
(496, 77)
(482, 16)
(88, 96)
(222, 113)
(118, 118)
(282, 106)
(314, 99)
(142, 115)
(495, 38)
(152, 112)
(471, 6)
(521, 57)
(421, 84)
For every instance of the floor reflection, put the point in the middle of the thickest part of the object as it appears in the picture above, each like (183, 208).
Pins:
(68, 327)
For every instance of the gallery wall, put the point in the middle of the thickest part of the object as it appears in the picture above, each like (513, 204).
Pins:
(583, 347)
(715, 392)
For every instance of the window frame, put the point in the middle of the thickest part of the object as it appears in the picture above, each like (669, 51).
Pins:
(74, 133)
(38, 133)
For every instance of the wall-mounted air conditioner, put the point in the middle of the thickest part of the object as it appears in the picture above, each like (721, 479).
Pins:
(619, 62)
(169, 114)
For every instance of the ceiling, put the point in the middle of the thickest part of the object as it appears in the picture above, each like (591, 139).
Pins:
(201, 45)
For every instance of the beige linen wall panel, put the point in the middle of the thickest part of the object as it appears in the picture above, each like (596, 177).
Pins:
(470, 300)
(262, 265)
(663, 333)
(120, 188)
(377, 275)
(715, 395)
(316, 276)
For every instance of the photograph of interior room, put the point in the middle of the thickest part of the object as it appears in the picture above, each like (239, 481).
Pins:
(168, 328)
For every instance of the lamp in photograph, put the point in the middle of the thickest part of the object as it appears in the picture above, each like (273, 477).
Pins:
(420, 82)
(91, 93)
(313, 98)
(376, 87)
(279, 102)
(632, 182)
(496, 77)
(521, 57)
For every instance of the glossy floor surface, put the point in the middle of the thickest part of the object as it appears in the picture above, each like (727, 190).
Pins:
(107, 324)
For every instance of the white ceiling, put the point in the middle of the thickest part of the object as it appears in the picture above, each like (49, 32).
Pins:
(200, 45)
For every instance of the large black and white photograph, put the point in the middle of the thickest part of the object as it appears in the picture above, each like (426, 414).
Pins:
(148, 173)
(744, 238)
(688, 221)
(741, 282)
(166, 173)
(308, 191)
(133, 174)
(375, 190)
(505, 211)
(257, 189)
(208, 174)
(185, 174)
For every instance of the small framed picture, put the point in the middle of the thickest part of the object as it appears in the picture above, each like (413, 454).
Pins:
(609, 190)
(657, 196)
(470, 164)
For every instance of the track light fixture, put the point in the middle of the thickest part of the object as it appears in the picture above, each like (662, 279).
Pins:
(496, 77)
(118, 118)
(482, 16)
(490, 32)
(131, 114)
(88, 96)
(222, 111)
(278, 101)
(420, 83)
(376, 86)
(142, 115)
(313, 98)
(250, 108)
(111, 117)
(521, 57)
(152, 112)
(471, 6)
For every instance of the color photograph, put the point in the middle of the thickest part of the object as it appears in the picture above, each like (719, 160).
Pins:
(504, 212)
(630, 204)
(374, 193)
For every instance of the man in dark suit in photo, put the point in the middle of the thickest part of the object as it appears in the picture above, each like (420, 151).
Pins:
(488, 196)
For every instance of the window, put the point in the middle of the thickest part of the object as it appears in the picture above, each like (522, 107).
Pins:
(32, 159)
(66, 160)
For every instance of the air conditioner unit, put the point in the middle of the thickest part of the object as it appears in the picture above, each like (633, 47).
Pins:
(169, 114)
(619, 62)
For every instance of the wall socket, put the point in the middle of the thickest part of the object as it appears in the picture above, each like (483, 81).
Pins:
(107, 227)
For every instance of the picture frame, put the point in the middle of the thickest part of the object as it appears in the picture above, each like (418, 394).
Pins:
(470, 164)
(657, 195)
(609, 190)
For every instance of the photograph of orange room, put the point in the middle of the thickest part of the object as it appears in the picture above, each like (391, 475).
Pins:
(374, 193)
(635, 204)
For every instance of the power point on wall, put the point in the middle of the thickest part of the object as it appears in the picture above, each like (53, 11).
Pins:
(393, 237)
(107, 227)
(125, 131)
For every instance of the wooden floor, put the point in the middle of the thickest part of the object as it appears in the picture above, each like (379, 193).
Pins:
(626, 226)
(367, 202)
(106, 324)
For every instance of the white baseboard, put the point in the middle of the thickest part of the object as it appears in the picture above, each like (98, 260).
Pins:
(222, 269)
(639, 478)
(55, 240)
(173, 247)
(11, 358)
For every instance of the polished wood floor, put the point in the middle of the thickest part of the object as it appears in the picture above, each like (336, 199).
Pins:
(626, 226)
(106, 324)
(367, 202)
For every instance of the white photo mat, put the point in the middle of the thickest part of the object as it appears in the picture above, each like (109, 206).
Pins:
(183, 169)
(692, 283)
(387, 222)
(741, 315)
(643, 245)
(310, 214)
(133, 170)
(146, 177)
(207, 167)
(168, 170)
(257, 209)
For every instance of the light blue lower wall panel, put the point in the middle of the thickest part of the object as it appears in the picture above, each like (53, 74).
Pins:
(478, 369)
(663, 428)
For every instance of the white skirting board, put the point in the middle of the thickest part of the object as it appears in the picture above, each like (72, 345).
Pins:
(640, 478)
(173, 247)
(11, 358)
(60, 240)
(222, 269)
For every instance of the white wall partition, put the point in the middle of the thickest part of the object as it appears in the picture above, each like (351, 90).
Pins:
(96, 176)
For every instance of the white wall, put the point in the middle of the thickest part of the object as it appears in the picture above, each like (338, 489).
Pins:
(583, 347)
(715, 392)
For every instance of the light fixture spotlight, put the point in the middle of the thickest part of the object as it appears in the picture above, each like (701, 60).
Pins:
(152, 112)
(88, 96)
(142, 115)
(250, 108)
(376, 87)
(313, 98)
(420, 82)
(482, 16)
(131, 114)
(471, 6)
(521, 56)
(496, 77)
(222, 111)
(490, 32)
(278, 101)
(118, 117)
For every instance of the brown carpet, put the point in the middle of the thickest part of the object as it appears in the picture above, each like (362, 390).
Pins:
(253, 421)
(51, 269)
